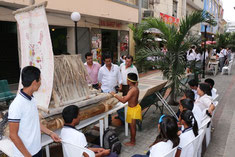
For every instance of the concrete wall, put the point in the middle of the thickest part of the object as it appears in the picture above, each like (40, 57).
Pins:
(97, 8)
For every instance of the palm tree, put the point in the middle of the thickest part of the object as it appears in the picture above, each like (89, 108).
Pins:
(177, 42)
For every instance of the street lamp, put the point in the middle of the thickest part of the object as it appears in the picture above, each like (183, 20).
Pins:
(75, 16)
(213, 38)
(204, 55)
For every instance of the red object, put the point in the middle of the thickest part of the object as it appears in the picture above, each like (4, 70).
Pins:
(209, 42)
(170, 19)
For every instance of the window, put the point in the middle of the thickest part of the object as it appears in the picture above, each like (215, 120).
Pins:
(174, 14)
(145, 4)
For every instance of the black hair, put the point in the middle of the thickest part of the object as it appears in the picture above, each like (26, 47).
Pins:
(88, 54)
(190, 120)
(168, 131)
(210, 81)
(193, 47)
(190, 51)
(193, 82)
(187, 104)
(69, 113)
(107, 56)
(205, 88)
(123, 57)
(29, 74)
(189, 94)
(133, 77)
(129, 57)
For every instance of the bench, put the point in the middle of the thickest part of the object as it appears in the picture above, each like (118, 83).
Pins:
(5, 94)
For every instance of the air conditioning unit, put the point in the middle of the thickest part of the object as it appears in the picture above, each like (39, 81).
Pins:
(148, 13)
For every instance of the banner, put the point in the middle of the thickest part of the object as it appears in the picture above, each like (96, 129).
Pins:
(36, 49)
(169, 19)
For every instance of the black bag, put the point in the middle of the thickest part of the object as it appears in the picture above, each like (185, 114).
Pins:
(111, 141)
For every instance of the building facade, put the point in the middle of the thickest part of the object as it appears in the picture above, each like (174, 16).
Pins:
(103, 29)
(215, 8)
(230, 27)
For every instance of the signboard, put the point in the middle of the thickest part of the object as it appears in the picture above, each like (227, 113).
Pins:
(112, 24)
(169, 19)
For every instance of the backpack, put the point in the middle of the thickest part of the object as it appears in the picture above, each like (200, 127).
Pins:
(111, 141)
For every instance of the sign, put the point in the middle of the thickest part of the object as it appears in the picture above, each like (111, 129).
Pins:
(169, 19)
(36, 50)
(112, 24)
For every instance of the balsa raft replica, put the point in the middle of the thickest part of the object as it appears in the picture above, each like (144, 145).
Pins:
(63, 78)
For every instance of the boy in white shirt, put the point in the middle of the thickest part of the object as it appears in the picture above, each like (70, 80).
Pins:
(193, 84)
(71, 135)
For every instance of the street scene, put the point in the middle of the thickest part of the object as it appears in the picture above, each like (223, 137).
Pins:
(117, 78)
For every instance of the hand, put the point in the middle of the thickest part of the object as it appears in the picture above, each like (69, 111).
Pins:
(55, 137)
(112, 93)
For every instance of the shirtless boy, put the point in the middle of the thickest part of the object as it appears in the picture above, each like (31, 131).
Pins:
(134, 109)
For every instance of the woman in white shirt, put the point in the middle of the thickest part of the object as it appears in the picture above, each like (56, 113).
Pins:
(204, 102)
(190, 131)
(167, 138)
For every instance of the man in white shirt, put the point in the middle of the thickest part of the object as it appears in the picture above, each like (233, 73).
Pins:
(222, 55)
(109, 76)
(71, 135)
(24, 124)
(193, 84)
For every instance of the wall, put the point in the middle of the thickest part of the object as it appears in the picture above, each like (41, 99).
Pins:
(96, 8)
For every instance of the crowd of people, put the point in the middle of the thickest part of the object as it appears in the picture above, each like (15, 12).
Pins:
(197, 57)
(25, 126)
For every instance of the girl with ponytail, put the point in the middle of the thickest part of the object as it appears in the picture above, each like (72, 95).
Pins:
(190, 131)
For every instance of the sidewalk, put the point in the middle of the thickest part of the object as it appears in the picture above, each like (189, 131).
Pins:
(223, 137)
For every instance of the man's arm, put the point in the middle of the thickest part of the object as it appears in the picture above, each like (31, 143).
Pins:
(14, 128)
(125, 98)
(53, 135)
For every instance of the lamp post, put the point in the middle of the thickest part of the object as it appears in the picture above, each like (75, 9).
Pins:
(75, 16)
(204, 55)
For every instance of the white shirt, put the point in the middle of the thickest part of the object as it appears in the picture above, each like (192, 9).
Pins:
(161, 148)
(191, 56)
(198, 57)
(196, 96)
(213, 93)
(125, 71)
(204, 102)
(202, 56)
(24, 111)
(198, 114)
(222, 53)
(109, 79)
(71, 135)
(186, 137)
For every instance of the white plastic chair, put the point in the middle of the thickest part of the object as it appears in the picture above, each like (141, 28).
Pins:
(71, 150)
(171, 153)
(190, 148)
(202, 128)
(227, 68)
(198, 142)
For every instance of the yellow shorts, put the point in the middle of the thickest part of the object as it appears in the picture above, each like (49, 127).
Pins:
(133, 113)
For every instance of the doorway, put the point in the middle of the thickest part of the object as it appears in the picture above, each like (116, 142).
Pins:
(109, 44)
